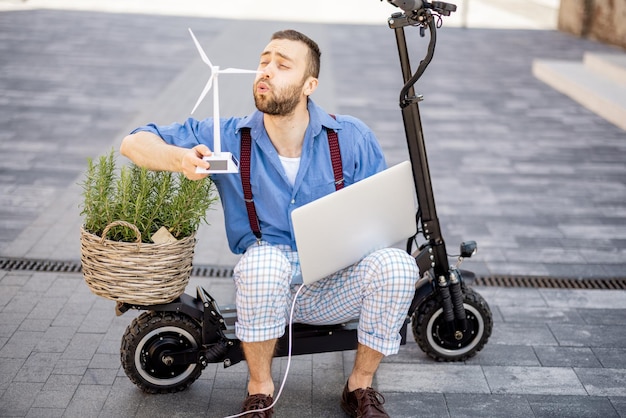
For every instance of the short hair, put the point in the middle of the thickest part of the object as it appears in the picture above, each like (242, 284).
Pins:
(313, 68)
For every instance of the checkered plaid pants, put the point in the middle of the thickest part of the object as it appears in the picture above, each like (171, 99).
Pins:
(378, 290)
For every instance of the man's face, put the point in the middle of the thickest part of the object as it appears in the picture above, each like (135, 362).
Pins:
(281, 84)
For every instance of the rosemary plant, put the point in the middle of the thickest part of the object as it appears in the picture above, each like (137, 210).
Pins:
(147, 199)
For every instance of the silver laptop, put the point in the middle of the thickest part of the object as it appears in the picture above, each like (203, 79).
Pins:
(339, 229)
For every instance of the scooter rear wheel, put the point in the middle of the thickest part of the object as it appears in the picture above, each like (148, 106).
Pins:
(433, 336)
(147, 339)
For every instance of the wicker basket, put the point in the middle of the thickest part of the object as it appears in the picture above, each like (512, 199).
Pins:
(136, 273)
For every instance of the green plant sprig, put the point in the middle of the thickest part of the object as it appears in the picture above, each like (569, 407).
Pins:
(147, 199)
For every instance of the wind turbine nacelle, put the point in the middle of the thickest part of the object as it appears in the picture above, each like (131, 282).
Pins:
(224, 162)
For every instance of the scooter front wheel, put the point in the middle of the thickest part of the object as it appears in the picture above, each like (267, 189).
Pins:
(144, 351)
(437, 340)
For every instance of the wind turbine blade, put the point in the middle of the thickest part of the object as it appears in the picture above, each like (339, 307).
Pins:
(238, 71)
(204, 93)
(200, 50)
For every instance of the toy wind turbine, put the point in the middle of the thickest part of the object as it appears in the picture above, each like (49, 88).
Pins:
(221, 162)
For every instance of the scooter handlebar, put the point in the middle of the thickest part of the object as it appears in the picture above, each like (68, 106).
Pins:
(412, 6)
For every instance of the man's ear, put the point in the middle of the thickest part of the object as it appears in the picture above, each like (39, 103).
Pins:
(310, 85)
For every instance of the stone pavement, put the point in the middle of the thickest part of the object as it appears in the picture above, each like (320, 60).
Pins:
(553, 353)
(536, 179)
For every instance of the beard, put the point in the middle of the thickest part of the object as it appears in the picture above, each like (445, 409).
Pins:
(281, 102)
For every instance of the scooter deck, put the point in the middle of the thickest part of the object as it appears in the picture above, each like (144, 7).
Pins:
(309, 339)
(216, 321)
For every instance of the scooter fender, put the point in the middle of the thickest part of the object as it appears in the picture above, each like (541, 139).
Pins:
(466, 277)
(423, 289)
(185, 303)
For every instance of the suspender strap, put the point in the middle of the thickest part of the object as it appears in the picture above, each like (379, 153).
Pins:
(335, 157)
(244, 169)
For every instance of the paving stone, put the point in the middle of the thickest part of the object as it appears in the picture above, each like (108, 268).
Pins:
(61, 382)
(87, 401)
(55, 339)
(327, 385)
(428, 404)
(21, 302)
(53, 399)
(533, 380)
(505, 355)
(619, 404)
(45, 413)
(571, 406)
(15, 278)
(7, 294)
(105, 361)
(35, 325)
(410, 353)
(296, 398)
(9, 368)
(476, 405)
(518, 334)
(21, 344)
(18, 398)
(534, 314)
(509, 297)
(82, 346)
(330, 361)
(71, 367)
(584, 299)
(47, 308)
(192, 402)
(603, 316)
(450, 378)
(567, 357)
(103, 377)
(39, 283)
(224, 402)
(124, 399)
(7, 330)
(63, 286)
(603, 382)
(37, 368)
(588, 335)
(613, 358)
(96, 321)
(234, 377)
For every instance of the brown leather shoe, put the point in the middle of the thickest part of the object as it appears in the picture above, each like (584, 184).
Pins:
(255, 402)
(363, 403)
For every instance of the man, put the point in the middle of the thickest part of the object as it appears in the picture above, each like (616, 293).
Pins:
(291, 165)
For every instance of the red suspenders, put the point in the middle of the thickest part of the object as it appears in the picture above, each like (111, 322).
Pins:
(244, 169)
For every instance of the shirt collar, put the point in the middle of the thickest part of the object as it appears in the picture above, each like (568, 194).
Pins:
(318, 119)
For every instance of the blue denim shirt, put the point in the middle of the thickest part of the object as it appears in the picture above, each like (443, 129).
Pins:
(274, 197)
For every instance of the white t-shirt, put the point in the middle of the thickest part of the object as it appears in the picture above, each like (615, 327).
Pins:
(291, 166)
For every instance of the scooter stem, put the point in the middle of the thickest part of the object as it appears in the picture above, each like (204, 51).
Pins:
(409, 104)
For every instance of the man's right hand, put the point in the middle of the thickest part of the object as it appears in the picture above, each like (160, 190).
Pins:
(193, 159)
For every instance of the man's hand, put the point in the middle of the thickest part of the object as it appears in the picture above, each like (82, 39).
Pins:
(193, 159)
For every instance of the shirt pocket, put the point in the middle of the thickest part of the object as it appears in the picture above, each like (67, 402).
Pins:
(314, 190)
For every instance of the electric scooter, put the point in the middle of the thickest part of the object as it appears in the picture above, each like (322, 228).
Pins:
(166, 347)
